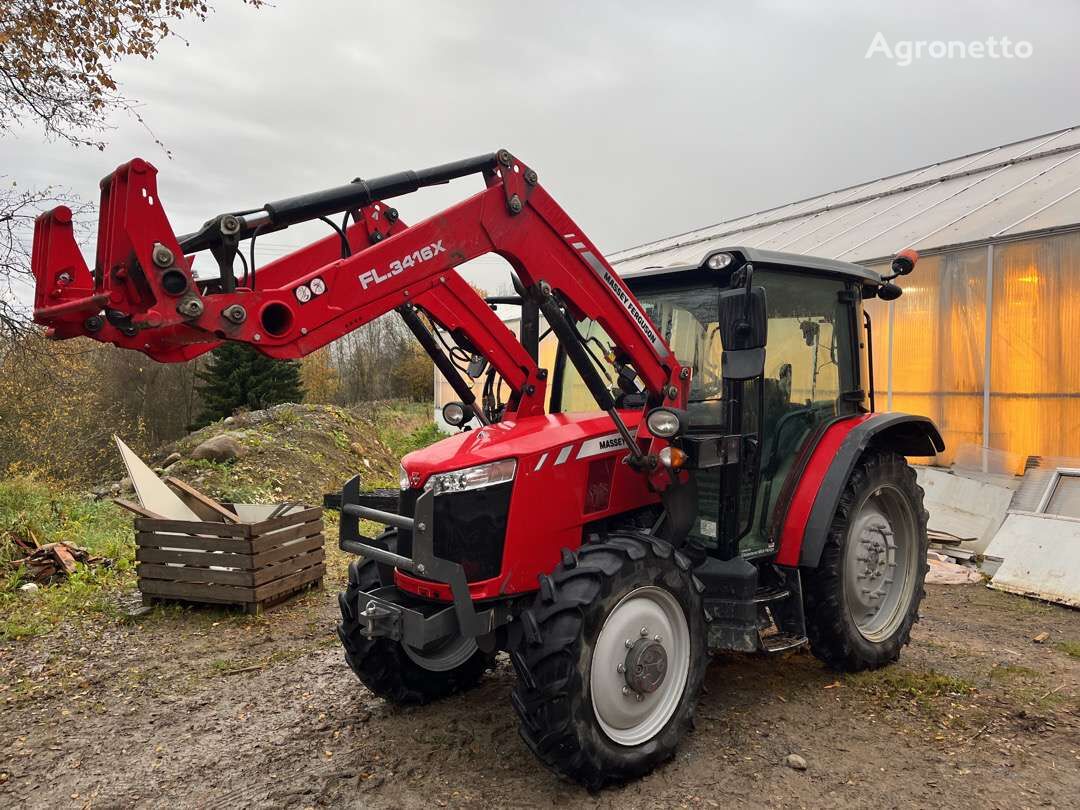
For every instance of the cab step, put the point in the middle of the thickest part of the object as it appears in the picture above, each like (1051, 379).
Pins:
(767, 596)
(777, 643)
(746, 615)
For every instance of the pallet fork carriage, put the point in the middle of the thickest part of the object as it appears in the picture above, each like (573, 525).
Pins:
(735, 490)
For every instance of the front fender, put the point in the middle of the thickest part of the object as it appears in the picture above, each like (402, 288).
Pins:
(805, 524)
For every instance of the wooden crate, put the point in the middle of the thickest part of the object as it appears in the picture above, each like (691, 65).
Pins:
(251, 564)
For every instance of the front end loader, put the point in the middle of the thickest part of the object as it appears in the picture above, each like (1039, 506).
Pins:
(702, 468)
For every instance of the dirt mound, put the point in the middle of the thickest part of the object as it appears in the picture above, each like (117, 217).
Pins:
(294, 452)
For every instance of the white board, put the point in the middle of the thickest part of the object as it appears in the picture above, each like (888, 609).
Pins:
(963, 507)
(153, 493)
(1040, 557)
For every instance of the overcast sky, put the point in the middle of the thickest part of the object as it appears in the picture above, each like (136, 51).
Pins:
(643, 119)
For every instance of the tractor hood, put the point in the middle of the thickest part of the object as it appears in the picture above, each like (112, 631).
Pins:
(518, 439)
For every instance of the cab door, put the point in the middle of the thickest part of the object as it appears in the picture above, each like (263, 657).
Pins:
(810, 379)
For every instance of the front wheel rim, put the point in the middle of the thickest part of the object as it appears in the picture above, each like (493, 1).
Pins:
(881, 563)
(640, 665)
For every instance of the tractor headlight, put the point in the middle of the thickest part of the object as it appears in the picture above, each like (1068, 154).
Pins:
(403, 478)
(485, 475)
(718, 261)
(664, 422)
(456, 414)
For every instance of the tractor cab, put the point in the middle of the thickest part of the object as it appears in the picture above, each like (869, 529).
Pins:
(817, 368)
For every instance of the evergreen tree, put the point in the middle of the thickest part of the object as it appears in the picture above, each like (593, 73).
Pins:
(241, 377)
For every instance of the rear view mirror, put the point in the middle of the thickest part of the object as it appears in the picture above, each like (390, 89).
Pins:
(744, 331)
(744, 323)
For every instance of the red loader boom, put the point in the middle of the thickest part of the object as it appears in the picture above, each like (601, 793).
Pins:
(143, 295)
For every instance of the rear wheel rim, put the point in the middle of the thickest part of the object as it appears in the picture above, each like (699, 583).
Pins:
(645, 641)
(449, 655)
(881, 563)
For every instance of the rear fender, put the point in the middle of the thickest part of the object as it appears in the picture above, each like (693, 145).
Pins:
(805, 525)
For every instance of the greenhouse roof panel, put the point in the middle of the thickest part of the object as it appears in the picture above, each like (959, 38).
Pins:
(1017, 188)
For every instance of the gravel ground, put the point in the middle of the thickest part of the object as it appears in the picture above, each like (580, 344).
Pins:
(209, 709)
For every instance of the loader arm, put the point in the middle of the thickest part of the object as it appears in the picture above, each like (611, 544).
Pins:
(142, 294)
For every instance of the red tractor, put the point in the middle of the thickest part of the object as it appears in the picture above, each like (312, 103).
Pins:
(702, 469)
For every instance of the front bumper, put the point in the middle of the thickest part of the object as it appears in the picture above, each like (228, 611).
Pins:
(387, 612)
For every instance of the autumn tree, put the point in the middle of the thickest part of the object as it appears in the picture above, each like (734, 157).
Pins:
(320, 378)
(415, 375)
(60, 401)
(57, 59)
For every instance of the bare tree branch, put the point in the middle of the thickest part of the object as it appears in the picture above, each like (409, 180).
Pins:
(57, 58)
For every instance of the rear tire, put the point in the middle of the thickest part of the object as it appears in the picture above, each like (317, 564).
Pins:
(569, 697)
(864, 596)
(390, 670)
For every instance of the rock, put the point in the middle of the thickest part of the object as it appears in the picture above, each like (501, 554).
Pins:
(29, 587)
(1042, 637)
(219, 448)
(229, 420)
(125, 485)
(795, 762)
(171, 459)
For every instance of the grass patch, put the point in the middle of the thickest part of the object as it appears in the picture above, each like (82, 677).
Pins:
(47, 513)
(1070, 648)
(1012, 671)
(917, 685)
(402, 444)
(1013, 603)
(231, 484)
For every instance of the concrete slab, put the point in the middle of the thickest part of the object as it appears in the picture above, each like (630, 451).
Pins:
(1040, 557)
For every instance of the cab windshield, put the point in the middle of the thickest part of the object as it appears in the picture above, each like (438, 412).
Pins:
(807, 332)
(688, 321)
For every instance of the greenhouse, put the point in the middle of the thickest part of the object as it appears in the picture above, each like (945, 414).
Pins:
(984, 339)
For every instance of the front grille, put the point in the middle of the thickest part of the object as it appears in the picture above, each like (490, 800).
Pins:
(470, 528)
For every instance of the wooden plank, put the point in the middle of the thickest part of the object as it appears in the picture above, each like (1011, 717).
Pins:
(238, 545)
(270, 573)
(284, 551)
(183, 488)
(303, 516)
(190, 573)
(161, 556)
(197, 592)
(158, 549)
(266, 542)
(196, 527)
(137, 508)
(149, 599)
(201, 511)
(250, 607)
(210, 576)
(285, 583)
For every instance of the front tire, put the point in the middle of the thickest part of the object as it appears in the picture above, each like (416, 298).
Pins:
(864, 596)
(398, 673)
(611, 660)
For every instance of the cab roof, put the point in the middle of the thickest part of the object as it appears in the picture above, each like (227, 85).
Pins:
(773, 258)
